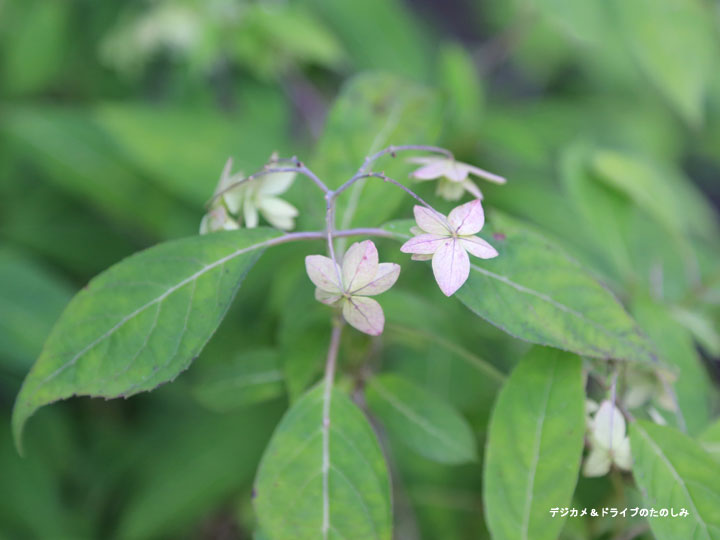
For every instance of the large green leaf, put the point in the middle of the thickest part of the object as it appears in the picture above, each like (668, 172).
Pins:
(535, 292)
(534, 446)
(675, 472)
(426, 423)
(323, 474)
(142, 322)
(676, 347)
(674, 44)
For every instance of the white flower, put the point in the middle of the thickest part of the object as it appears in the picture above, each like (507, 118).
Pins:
(360, 276)
(453, 176)
(217, 219)
(447, 241)
(609, 444)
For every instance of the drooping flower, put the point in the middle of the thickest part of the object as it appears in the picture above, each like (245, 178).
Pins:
(453, 176)
(217, 219)
(447, 241)
(609, 443)
(350, 285)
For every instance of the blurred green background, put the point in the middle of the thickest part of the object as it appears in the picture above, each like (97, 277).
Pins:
(116, 118)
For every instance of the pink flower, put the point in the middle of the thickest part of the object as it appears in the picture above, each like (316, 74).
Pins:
(350, 286)
(454, 176)
(447, 241)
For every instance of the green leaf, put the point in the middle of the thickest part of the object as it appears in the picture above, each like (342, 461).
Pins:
(675, 472)
(323, 474)
(710, 439)
(673, 42)
(250, 377)
(141, 322)
(426, 423)
(534, 446)
(31, 298)
(675, 344)
(535, 292)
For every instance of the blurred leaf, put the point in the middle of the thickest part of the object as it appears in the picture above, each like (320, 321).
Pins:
(673, 43)
(661, 191)
(378, 34)
(250, 377)
(701, 326)
(372, 112)
(323, 473)
(676, 347)
(31, 299)
(141, 322)
(674, 472)
(186, 468)
(76, 155)
(535, 446)
(35, 33)
(164, 142)
(710, 439)
(427, 424)
(561, 306)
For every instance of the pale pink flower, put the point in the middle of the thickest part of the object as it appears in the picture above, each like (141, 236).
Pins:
(350, 285)
(447, 241)
(453, 176)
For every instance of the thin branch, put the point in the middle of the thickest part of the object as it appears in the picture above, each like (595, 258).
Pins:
(330, 231)
(392, 150)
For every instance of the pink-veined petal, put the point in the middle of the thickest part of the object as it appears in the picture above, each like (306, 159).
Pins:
(425, 244)
(421, 257)
(326, 297)
(359, 265)
(430, 171)
(365, 314)
(475, 245)
(451, 266)
(387, 275)
(429, 221)
(322, 273)
(469, 186)
(482, 173)
(467, 218)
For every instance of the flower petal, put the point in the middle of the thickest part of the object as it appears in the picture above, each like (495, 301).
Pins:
(275, 183)
(277, 212)
(234, 197)
(323, 273)
(608, 426)
(622, 456)
(250, 213)
(467, 218)
(451, 266)
(431, 222)
(449, 190)
(477, 171)
(421, 257)
(475, 245)
(365, 314)
(597, 463)
(456, 171)
(433, 170)
(471, 188)
(425, 244)
(386, 276)
(326, 297)
(359, 265)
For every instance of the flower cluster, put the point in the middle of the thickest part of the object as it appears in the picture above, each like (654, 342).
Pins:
(608, 440)
(238, 201)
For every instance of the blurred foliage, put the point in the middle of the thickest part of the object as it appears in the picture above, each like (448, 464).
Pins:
(115, 121)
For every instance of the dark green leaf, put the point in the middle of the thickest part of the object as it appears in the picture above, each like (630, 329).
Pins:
(534, 446)
(323, 474)
(426, 423)
(140, 323)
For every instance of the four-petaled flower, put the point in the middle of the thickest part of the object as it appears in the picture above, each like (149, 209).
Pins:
(453, 176)
(350, 285)
(447, 241)
(609, 443)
